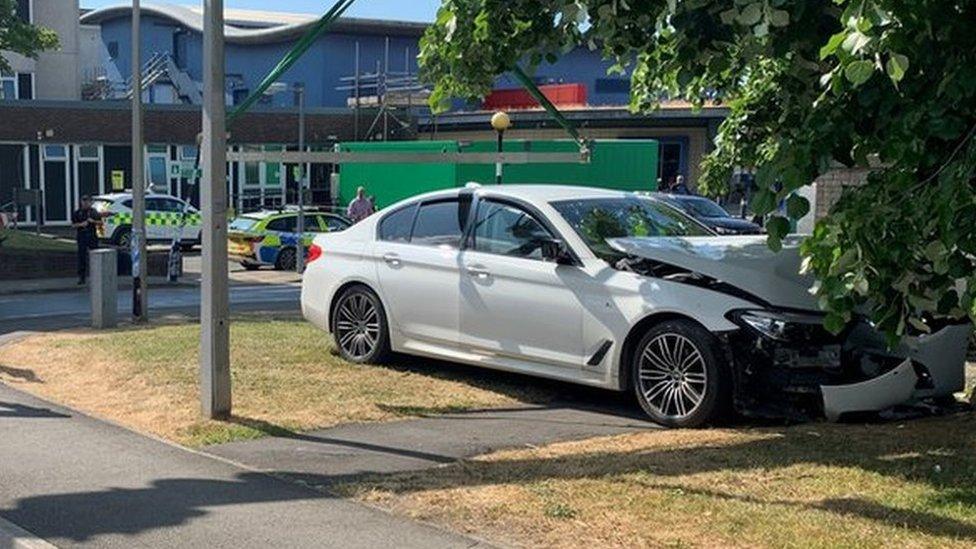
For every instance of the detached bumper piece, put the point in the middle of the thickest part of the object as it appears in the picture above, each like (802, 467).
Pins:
(874, 395)
(793, 368)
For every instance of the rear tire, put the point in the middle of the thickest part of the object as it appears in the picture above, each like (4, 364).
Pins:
(360, 328)
(679, 377)
(286, 260)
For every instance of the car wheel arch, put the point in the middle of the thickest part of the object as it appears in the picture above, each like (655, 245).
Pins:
(633, 338)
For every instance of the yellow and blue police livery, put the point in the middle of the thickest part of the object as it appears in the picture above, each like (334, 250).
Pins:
(166, 217)
(270, 238)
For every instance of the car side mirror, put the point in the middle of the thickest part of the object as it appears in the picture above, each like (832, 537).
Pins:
(555, 250)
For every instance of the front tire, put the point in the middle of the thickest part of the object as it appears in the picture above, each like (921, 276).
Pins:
(360, 328)
(678, 376)
(122, 237)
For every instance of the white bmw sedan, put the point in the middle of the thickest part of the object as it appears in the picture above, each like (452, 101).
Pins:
(613, 290)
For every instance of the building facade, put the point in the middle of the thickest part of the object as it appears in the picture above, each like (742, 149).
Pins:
(65, 131)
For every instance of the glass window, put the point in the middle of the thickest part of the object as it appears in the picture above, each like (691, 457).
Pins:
(438, 224)
(395, 227)
(284, 224)
(55, 152)
(23, 11)
(252, 170)
(88, 152)
(242, 224)
(335, 223)
(188, 152)
(272, 170)
(507, 230)
(597, 219)
(158, 149)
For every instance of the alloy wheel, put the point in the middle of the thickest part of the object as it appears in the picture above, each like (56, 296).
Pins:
(673, 376)
(357, 325)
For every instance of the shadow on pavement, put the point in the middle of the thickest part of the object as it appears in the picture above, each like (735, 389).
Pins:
(13, 410)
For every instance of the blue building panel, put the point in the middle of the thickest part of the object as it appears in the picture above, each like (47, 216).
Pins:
(330, 59)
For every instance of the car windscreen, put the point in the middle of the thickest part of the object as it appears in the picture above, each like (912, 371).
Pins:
(702, 207)
(242, 224)
(101, 205)
(597, 219)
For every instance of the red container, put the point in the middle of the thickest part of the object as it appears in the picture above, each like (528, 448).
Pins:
(561, 95)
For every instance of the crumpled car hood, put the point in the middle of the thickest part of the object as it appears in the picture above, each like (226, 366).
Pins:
(745, 262)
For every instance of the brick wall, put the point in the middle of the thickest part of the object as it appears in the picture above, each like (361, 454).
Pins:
(829, 186)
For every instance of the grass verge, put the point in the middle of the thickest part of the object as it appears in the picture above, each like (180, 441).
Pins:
(820, 485)
(22, 241)
(285, 378)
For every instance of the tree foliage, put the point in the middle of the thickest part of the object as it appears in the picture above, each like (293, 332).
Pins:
(887, 84)
(20, 37)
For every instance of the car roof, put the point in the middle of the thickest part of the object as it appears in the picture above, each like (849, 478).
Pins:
(532, 193)
(126, 196)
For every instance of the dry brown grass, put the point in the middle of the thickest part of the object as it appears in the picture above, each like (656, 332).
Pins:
(285, 378)
(892, 485)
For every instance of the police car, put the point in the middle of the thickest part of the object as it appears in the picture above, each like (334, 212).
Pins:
(270, 238)
(166, 217)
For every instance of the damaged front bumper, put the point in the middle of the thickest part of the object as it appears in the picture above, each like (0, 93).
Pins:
(788, 365)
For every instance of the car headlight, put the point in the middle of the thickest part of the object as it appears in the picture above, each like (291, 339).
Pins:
(782, 325)
(723, 230)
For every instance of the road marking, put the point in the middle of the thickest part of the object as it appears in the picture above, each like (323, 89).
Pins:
(15, 537)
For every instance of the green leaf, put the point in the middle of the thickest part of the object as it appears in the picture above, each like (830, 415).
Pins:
(897, 66)
(751, 14)
(859, 72)
(855, 42)
(831, 46)
(834, 323)
(763, 202)
(728, 16)
(778, 226)
(779, 18)
(797, 206)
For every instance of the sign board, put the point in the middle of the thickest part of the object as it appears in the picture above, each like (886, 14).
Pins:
(118, 180)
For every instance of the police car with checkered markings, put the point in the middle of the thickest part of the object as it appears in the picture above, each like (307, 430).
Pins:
(166, 217)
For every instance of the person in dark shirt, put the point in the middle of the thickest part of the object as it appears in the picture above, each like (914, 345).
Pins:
(85, 220)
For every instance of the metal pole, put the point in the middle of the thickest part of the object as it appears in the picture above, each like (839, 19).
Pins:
(300, 255)
(137, 242)
(215, 396)
(498, 165)
(356, 118)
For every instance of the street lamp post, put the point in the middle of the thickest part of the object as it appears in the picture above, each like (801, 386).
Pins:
(300, 253)
(137, 238)
(500, 122)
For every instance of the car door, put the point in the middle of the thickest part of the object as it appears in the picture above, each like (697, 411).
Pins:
(513, 303)
(417, 265)
(156, 213)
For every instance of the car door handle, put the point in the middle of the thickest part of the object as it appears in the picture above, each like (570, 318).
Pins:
(392, 260)
(478, 271)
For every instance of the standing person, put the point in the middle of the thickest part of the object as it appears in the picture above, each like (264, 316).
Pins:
(360, 208)
(679, 186)
(85, 219)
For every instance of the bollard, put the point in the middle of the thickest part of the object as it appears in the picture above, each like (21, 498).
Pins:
(104, 281)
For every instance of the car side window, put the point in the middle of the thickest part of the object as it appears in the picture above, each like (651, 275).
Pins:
(154, 205)
(313, 224)
(504, 229)
(395, 227)
(283, 224)
(336, 223)
(439, 224)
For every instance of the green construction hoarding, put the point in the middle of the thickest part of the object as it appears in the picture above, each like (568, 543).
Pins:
(629, 165)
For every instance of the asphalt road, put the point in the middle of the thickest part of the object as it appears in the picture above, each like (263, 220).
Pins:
(56, 310)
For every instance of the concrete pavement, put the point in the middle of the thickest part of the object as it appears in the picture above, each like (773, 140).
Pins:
(331, 456)
(77, 481)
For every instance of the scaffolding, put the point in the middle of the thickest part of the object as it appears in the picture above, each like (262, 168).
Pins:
(392, 94)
